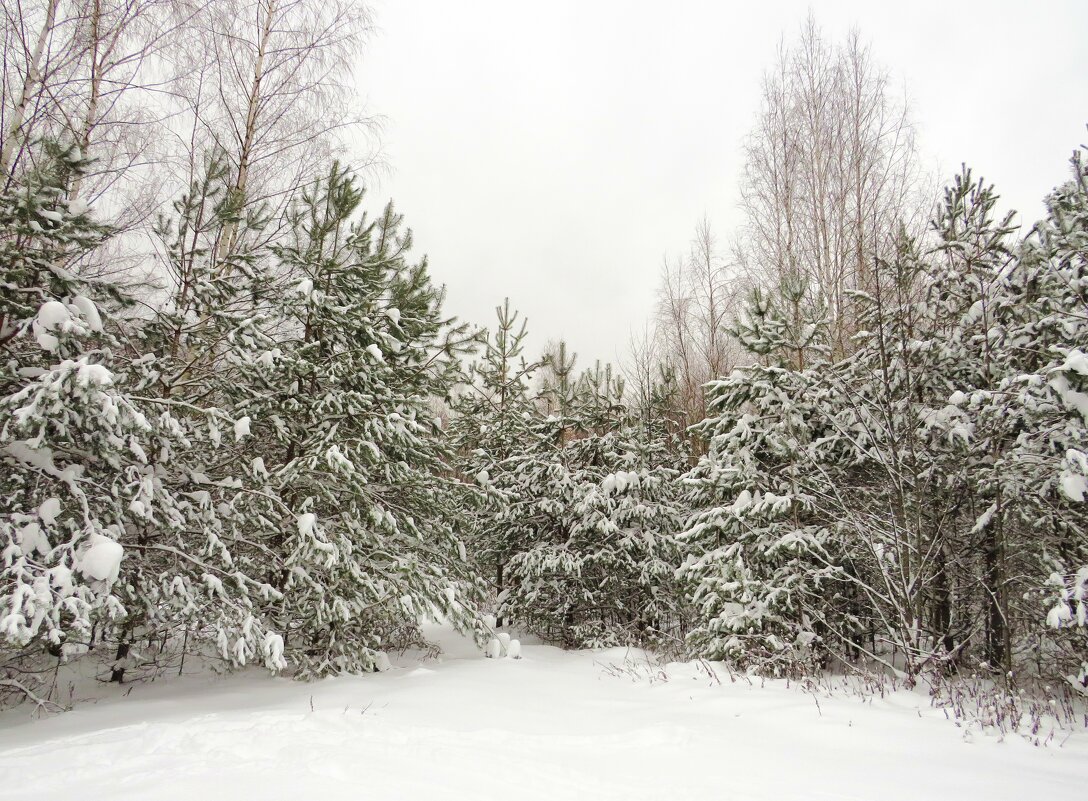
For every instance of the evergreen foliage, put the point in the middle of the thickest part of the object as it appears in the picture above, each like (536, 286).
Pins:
(494, 418)
(591, 508)
(257, 466)
(72, 443)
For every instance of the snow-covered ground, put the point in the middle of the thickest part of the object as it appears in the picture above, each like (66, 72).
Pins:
(553, 725)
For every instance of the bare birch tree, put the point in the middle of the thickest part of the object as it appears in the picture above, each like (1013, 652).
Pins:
(831, 174)
(31, 62)
(270, 90)
(697, 302)
(89, 74)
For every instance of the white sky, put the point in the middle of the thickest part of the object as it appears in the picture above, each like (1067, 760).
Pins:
(556, 152)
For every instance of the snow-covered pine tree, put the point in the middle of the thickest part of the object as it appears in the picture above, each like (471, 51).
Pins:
(73, 442)
(493, 419)
(358, 507)
(755, 546)
(963, 284)
(202, 579)
(1036, 411)
(896, 460)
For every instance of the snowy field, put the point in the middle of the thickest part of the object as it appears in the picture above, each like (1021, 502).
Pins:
(552, 725)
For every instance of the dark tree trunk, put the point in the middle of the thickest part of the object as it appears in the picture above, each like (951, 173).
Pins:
(995, 618)
(123, 646)
(942, 611)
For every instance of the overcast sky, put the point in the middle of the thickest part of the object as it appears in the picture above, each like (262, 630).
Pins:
(556, 152)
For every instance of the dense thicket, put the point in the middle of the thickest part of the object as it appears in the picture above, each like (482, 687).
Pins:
(580, 498)
(917, 503)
